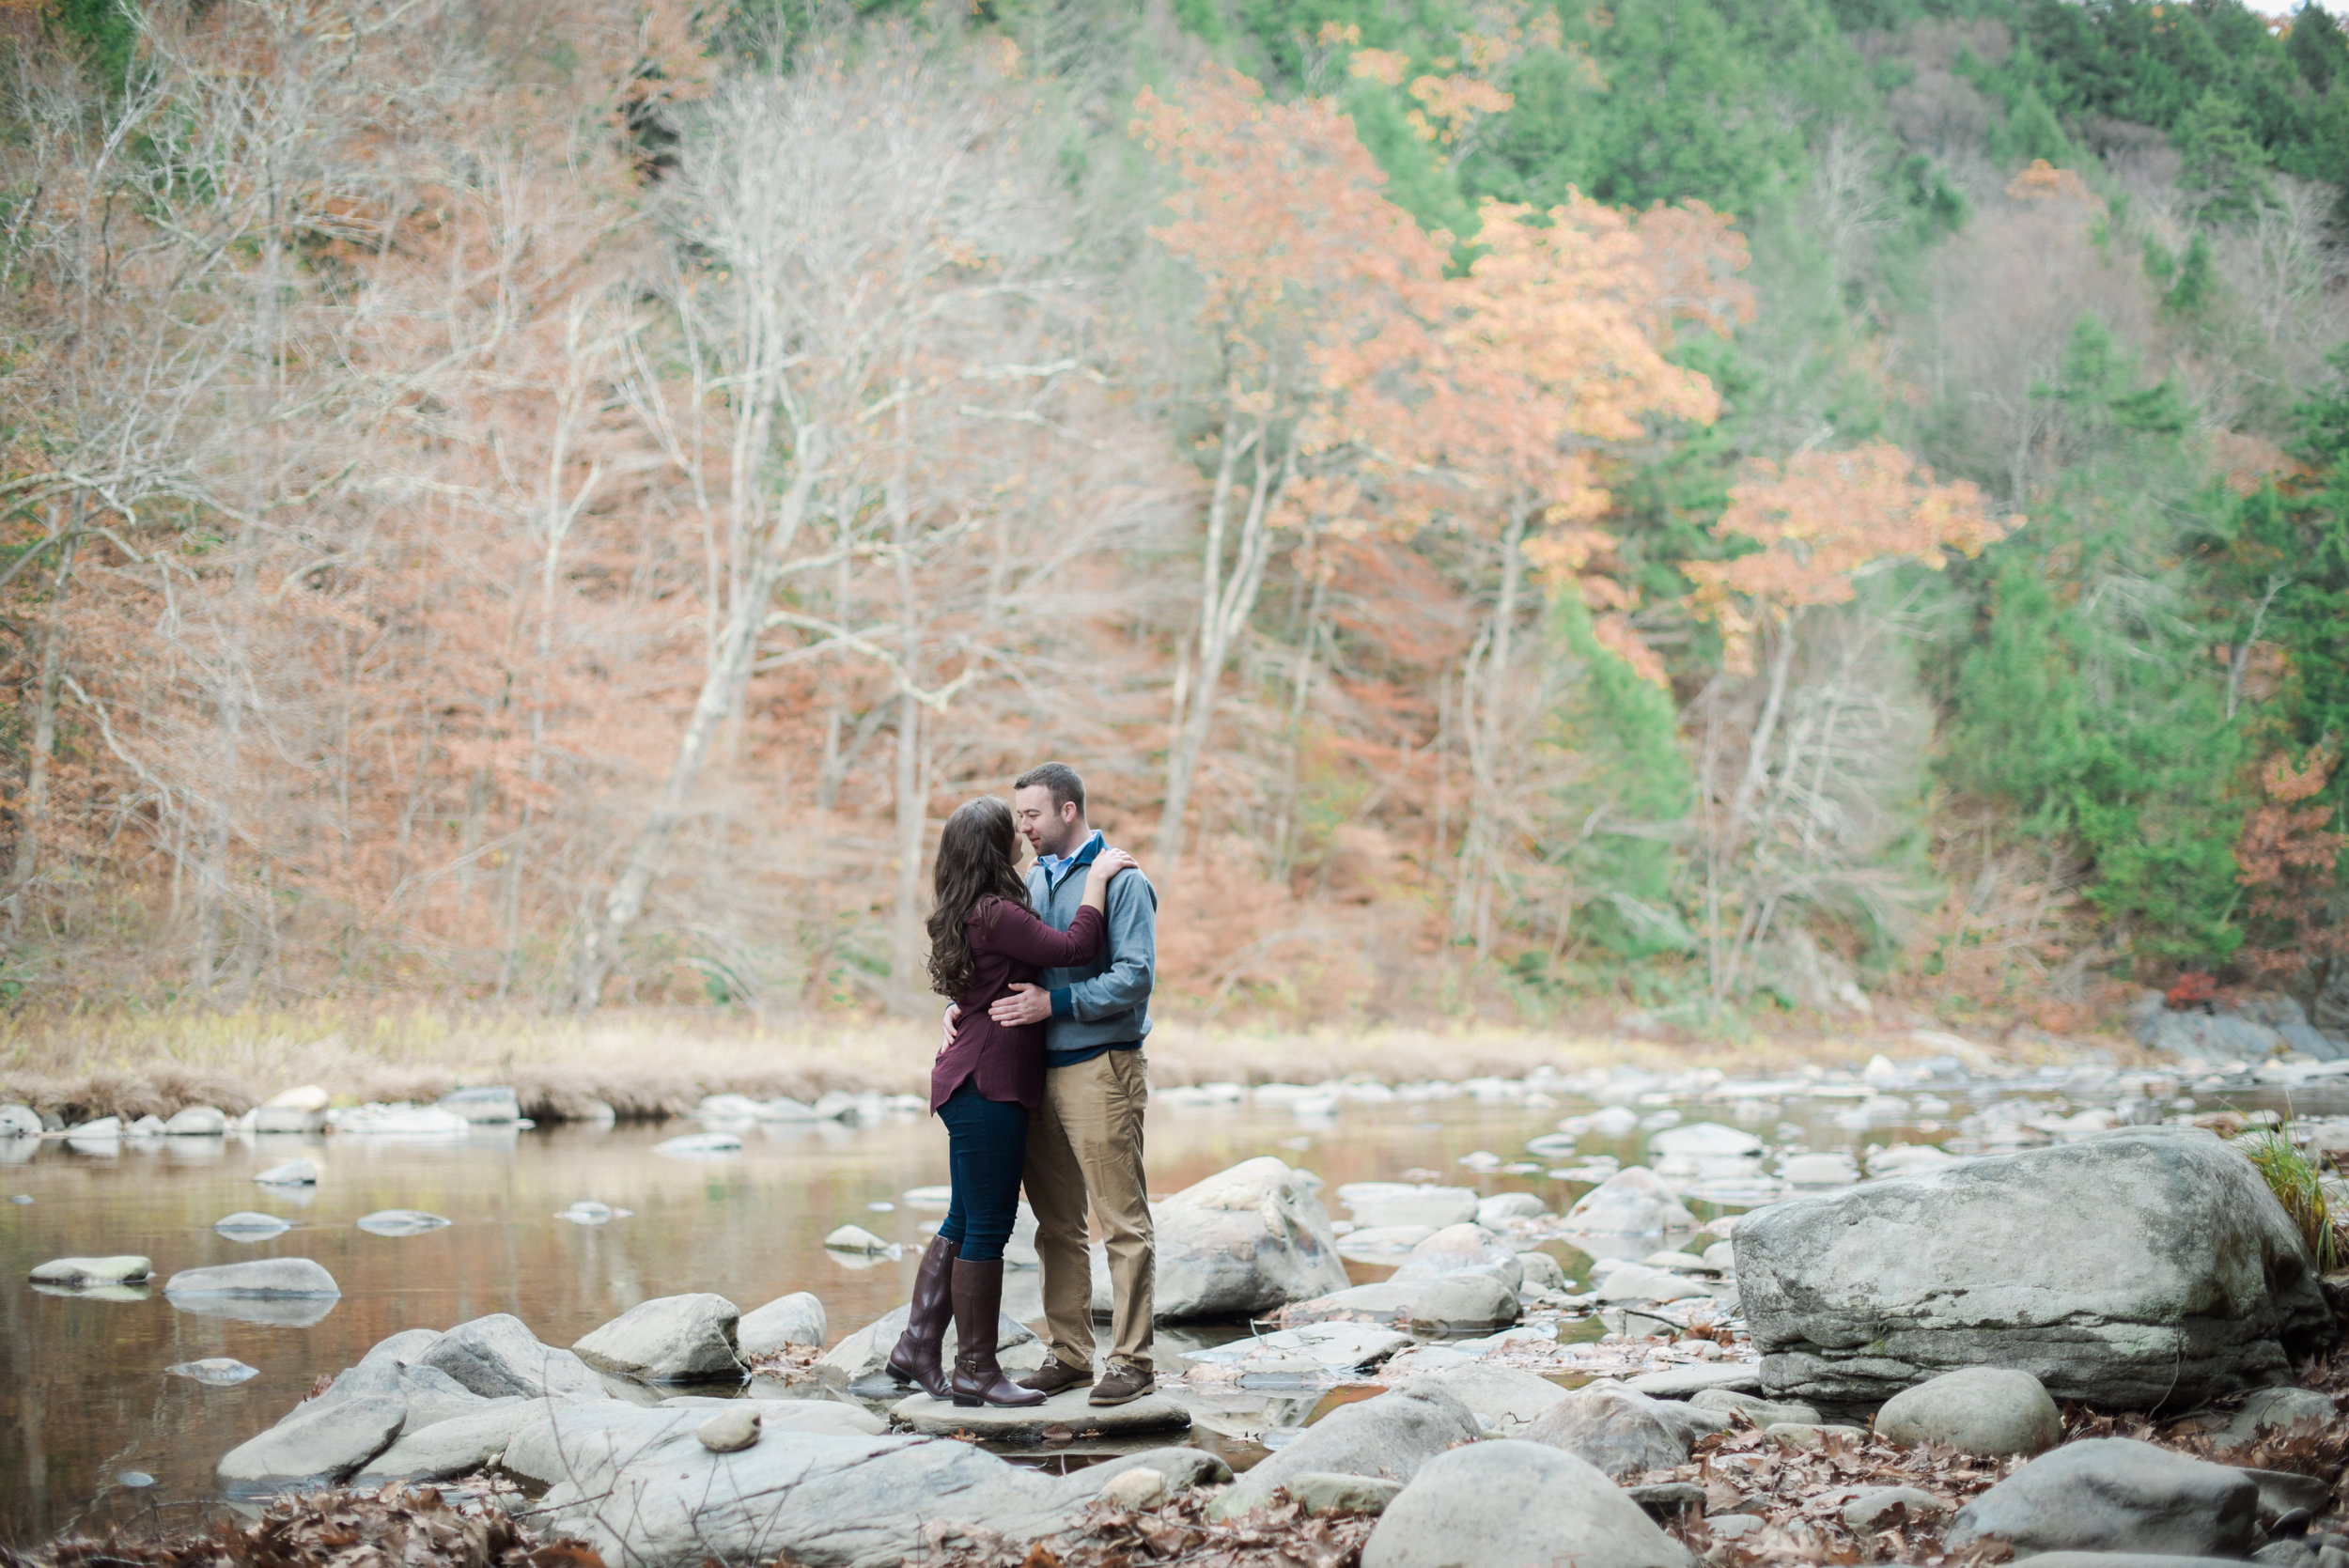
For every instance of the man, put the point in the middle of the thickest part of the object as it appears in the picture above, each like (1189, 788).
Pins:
(1085, 1143)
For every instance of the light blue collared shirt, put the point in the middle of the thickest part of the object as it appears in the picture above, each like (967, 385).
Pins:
(1055, 865)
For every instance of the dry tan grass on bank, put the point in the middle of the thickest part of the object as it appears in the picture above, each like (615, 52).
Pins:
(659, 1064)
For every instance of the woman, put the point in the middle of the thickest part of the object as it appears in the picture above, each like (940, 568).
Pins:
(985, 938)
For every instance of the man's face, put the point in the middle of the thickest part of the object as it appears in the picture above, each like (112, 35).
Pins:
(1050, 829)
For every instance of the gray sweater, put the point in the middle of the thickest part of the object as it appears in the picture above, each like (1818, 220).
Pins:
(1106, 1002)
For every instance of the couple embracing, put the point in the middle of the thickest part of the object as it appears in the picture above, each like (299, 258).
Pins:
(1040, 1080)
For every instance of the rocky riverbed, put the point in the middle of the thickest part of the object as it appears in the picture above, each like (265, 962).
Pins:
(1769, 1348)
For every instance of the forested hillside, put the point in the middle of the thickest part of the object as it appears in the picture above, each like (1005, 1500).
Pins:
(1720, 508)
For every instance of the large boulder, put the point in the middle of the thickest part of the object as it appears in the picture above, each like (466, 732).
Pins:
(448, 1448)
(1518, 1504)
(1503, 1398)
(1391, 1436)
(498, 1355)
(320, 1443)
(1248, 1241)
(1382, 1205)
(670, 1339)
(1622, 1433)
(1461, 1249)
(640, 1487)
(2116, 1495)
(2142, 1267)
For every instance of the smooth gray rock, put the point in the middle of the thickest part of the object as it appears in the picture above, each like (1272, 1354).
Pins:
(82, 1273)
(1324, 1492)
(2129, 1560)
(1690, 1381)
(1520, 1504)
(1874, 1508)
(1243, 1243)
(1133, 1489)
(641, 1489)
(198, 1121)
(2140, 1268)
(215, 1372)
(1499, 1209)
(1183, 1467)
(2269, 1411)
(1991, 1411)
(319, 1443)
(453, 1447)
(1381, 1303)
(1461, 1304)
(492, 1106)
(862, 1358)
(498, 1355)
(431, 1395)
(402, 1347)
(2116, 1493)
(1383, 1205)
(1630, 1202)
(1760, 1411)
(1620, 1431)
(729, 1431)
(670, 1339)
(1507, 1397)
(1467, 1249)
(245, 1225)
(292, 1172)
(262, 1276)
(2281, 1491)
(1815, 1435)
(403, 1222)
(823, 1415)
(1391, 1436)
(2211, 1037)
(788, 1320)
(19, 1121)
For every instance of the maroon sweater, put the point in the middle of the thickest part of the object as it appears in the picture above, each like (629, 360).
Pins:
(1008, 947)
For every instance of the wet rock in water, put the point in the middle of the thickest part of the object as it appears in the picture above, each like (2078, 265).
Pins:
(1463, 1248)
(399, 1121)
(1499, 1210)
(452, 1446)
(403, 1222)
(1991, 1411)
(788, 1320)
(261, 1277)
(2116, 1495)
(301, 1109)
(320, 1443)
(492, 1106)
(1461, 1304)
(1904, 1160)
(728, 1431)
(402, 1349)
(862, 1357)
(2148, 1266)
(146, 1126)
(1761, 1412)
(671, 1339)
(1068, 1408)
(1542, 1271)
(1827, 1170)
(1705, 1141)
(498, 1355)
(1379, 1205)
(1630, 1202)
(293, 1172)
(1507, 1398)
(2269, 1411)
(1361, 1241)
(136, 1480)
(1391, 1436)
(85, 1273)
(587, 1211)
(19, 1121)
(1685, 1382)
(699, 1145)
(1338, 1346)
(1874, 1508)
(1639, 1283)
(1559, 1511)
(855, 1238)
(1620, 1431)
(1242, 1243)
(1322, 1492)
(639, 1487)
(245, 1225)
(217, 1371)
(198, 1121)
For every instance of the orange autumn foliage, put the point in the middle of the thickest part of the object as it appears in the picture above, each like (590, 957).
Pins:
(2286, 858)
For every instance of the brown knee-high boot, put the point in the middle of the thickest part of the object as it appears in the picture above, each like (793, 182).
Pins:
(978, 1305)
(918, 1355)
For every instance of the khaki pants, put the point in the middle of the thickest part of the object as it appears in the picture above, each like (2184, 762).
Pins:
(1086, 1141)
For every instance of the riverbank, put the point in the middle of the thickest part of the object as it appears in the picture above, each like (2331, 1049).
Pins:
(656, 1064)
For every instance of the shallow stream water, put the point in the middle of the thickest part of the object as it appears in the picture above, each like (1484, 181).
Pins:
(85, 1397)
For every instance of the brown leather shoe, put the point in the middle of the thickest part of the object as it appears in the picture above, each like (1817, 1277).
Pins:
(1054, 1376)
(1123, 1386)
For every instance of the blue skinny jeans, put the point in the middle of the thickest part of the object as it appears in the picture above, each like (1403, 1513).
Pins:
(987, 1145)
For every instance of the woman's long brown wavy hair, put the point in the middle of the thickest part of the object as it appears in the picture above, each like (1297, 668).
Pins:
(978, 859)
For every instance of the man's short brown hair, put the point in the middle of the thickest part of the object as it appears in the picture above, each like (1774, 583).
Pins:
(1060, 779)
